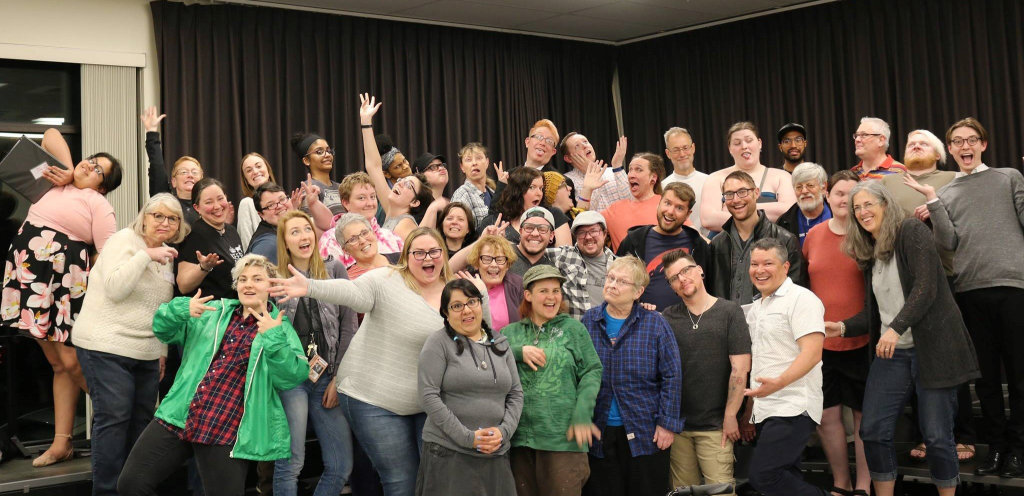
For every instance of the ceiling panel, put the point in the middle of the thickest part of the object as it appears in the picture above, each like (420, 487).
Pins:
(476, 14)
(589, 27)
(650, 15)
(559, 6)
(361, 6)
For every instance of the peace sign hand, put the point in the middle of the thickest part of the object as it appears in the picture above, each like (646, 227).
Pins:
(264, 320)
(498, 229)
(196, 306)
(499, 170)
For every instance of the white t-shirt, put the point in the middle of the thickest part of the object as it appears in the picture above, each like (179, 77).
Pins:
(696, 181)
(776, 323)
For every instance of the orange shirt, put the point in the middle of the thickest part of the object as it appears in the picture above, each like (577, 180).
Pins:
(836, 281)
(628, 213)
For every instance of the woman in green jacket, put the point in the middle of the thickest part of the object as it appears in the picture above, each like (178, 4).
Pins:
(224, 407)
(560, 374)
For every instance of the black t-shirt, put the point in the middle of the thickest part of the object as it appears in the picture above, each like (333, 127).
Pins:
(659, 292)
(228, 246)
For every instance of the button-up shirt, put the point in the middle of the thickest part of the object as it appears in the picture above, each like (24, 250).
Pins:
(469, 194)
(889, 166)
(570, 263)
(776, 323)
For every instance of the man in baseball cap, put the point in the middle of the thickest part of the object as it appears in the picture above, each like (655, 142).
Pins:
(793, 145)
(536, 231)
(584, 264)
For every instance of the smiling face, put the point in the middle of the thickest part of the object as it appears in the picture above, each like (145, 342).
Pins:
(868, 211)
(680, 151)
(672, 213)
(534, 194)
(839, 199)
(492, 273)
(685, 278)
(540, 145)
(641, 178)
(319, 159)
(213, 206)
(535, 234)
(363, 200)
(428, 270)
(545, 297)
(767, 271)
(474, 165)
(253, 286)
(740, 208)
(184, 177)
(467, 321)
(967, 156)
(274, 204)
(437, 175)
(455, 225)
(160, 232)
(793, 148)
(359, 242)
(870, 142)
(620, 289)
(89, 173)
(299, 238)
(399, 168)
(578, 143)
(745, 148)
(809, 194)
(403, 193)
(255, 171)
(590, 240)
(563, 201)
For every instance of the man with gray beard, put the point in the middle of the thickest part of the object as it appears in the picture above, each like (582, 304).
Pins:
(810, 182)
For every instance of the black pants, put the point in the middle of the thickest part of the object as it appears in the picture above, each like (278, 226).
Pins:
(620, 473)
(775, 466)
(996, 323)
(159, 453)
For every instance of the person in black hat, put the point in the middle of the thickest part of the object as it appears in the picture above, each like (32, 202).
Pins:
(793, 145)
(436, 170)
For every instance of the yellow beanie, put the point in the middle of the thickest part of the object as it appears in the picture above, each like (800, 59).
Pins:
(552, 181)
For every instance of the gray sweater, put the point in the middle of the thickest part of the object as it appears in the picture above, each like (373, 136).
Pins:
(461, 396)
(980, 216)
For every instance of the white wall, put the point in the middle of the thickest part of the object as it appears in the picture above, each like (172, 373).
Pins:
(105, 32)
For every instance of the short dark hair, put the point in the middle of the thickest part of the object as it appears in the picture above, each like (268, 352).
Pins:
(563, 147)
(669, 259)
(267, 187)
(112, 179)
(682, 191)
(206, 182)
(772, 244)
(843, 175)
(740, 176)
(970, 122)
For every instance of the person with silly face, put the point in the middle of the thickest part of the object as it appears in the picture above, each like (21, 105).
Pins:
(208, 254)
(185, 172)
(492, 256)
(47, 268)
(577, 151)
(470, 389)
(239, 354)
(525, 191)
(434, 168)
(561, 375)
(646, 172)
(478, 190)
(378, 391)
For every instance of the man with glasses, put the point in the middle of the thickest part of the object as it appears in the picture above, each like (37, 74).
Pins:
(271, 203)
(730, 250)
(535, 233)
(651, 243)
(584, 264)
(714, 349)
(540, 144)
(793, 145)
(680, 149)
(809, 182)
(870, 143)
(577, 151)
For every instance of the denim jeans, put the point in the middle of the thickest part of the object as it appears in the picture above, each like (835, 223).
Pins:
(890, 383)
(123, 392)
(775, 466)
(393, 442)
(303, 403)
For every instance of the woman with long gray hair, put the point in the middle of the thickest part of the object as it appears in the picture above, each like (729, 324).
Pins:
(919, 336)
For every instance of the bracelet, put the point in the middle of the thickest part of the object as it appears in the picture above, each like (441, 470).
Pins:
(204, 269)
(580, 198)
(366, 126)
(842, 329)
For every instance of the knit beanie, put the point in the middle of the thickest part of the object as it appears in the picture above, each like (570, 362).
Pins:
(552, 181)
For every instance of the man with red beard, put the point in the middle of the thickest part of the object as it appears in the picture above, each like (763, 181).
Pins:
(584, 264)
(651, 243)
(793, 145)
(810, 182)
(646, 171)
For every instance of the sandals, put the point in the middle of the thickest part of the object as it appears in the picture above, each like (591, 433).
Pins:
(918, 449)
(46, 459)
(965, 449)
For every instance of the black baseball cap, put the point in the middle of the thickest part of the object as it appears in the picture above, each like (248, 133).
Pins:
(424, 160)
(792, 126)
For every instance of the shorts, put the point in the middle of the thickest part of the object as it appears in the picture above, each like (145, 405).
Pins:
(843, 376)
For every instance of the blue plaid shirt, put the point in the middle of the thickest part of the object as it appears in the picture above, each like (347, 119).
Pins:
(643, 371)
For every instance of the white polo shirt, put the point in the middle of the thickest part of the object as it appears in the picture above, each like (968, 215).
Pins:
(776, 323)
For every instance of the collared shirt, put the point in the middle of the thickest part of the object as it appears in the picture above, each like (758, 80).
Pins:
(217, 406)
(387, 242)
(469, 194)
(776, 323)
(616, 189)
(980, 168)
(641, 371)
(569, 262)
(889, 166)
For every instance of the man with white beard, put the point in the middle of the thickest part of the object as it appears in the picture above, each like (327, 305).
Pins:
(810, 181)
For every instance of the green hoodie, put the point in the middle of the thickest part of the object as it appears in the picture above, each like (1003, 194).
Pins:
(562, 392)
(276, 363)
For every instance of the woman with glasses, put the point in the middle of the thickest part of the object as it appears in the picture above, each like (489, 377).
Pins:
(525, 190)
(318, 157)
(208, 254)
(920, 340)
(435, 170)
(361, 245)
(478, 190)
(469, 387)
(121, 358)
(47, 267)
(378, 391)
(185, 172)
(776, 185)
(491, 256)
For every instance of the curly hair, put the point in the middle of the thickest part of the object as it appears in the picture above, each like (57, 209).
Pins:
(510, 202)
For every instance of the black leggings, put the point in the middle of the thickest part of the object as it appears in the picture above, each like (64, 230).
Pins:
(159, 453)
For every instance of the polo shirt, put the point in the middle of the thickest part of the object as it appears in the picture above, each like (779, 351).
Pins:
(889, 166)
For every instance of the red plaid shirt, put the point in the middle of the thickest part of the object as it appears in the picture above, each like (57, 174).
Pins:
(217, 406)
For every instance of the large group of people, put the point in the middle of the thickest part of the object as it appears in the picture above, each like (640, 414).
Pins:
(592, 331)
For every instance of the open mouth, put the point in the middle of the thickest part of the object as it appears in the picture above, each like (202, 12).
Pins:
(493, 271)
(551, 306)
(250, 293)
(535, 202)
(469, 320)
(429, 269)
(634, 186)
(746, 155)
(539, 151)
(967, 158)
(305, 246)
(762, 279)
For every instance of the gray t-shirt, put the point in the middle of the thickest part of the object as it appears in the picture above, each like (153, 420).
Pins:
(330, 197)
(885, 283)
(522, 264)
(704, 353)
(597, 269)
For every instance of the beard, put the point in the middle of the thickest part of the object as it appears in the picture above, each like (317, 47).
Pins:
(918, 162)
(812, 204)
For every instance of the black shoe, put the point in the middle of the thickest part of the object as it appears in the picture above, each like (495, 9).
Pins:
(1013, 467)
(992, 465)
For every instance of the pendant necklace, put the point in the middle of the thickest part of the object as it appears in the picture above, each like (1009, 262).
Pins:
(536, 335)
(696, 324)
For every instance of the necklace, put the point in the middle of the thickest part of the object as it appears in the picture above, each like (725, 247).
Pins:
(536, 335)
(697, 324)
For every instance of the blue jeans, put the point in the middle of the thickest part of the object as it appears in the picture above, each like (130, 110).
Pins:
(890, 383)
(306, 402)
(123, 392)
(393, 442)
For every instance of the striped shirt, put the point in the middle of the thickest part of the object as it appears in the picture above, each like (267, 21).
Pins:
(889, 166)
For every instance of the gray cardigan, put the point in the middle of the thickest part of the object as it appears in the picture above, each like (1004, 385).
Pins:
(945, 352)
(461, 396)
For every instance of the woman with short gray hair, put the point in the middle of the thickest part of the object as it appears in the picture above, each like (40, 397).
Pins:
(357, 239)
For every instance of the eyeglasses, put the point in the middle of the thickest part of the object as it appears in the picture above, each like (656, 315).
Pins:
(96, 167)
(958, 142)
(488, 260)
(680, 149)
(798, 140)
(740, 193)
(589, 233)
(546, 141)
(864, 136)
(320, 152)
(189, 172)
(864, 206)
(529, 228)
(458, 307)
(407, 184)
(686, 270)
(171, 220)
(422, 255)
(434, 167)
(618, 282)
(274, 205)
(364, 234)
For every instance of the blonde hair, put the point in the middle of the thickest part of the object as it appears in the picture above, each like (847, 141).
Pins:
(251, 260)
(186, 158)
(477, 146)
(634, 267)
(169, 202)
(317, 270)
(933, 141)
(402, 267)
(497, 243)
(247, 189)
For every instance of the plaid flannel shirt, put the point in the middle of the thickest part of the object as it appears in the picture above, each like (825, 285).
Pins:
(642, 371)
(603, 197)
(569, 262)
(470, 195)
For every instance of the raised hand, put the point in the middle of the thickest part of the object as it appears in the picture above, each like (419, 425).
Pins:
(311, 190)
(208, 262)
(197, 305)
(367, 108)
(150, 119)
(59, 176)
(161, 254)
(620, 153)
(499, 169)
(296, 286)
(594, 178)
(924, 189)
(475, 279)
(263, 319)
(231, 213)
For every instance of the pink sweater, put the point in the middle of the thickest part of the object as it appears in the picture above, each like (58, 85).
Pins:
(83, 214)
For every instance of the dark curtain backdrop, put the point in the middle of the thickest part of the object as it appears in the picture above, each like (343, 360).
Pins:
(914, 63)
(236, 79)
